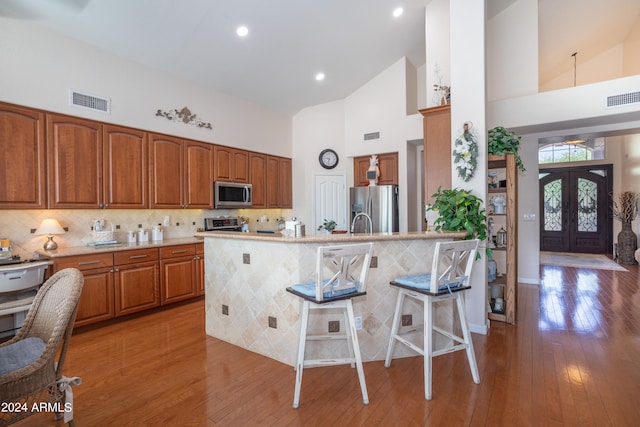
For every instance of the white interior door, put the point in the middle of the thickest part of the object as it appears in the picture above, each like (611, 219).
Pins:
(330, 200)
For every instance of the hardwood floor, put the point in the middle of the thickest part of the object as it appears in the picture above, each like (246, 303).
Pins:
(572, 359)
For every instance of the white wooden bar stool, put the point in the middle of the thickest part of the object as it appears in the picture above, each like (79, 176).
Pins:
(341, 274)
(448, 280)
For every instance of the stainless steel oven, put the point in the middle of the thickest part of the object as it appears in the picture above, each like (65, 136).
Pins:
(232, 195)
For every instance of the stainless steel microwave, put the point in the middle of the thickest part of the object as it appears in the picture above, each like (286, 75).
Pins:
(232, 195)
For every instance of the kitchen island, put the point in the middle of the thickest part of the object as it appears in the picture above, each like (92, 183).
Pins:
(246, 275)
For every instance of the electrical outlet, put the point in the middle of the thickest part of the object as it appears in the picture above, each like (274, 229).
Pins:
(374, 262)
(246, 258)
(407, 320)
(225, 309)
(166, 221)
(358, 322)
(334, 326)
(273, 322)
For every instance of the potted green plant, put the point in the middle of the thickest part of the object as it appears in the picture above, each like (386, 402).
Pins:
(504, 141)
(459, 210)
(328, 225)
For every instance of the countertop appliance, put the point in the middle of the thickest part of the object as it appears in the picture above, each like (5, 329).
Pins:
(222, 224)
(380, 203)
(18, 285)
(232, 195)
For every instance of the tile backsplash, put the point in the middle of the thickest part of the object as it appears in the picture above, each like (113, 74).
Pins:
(16, 225)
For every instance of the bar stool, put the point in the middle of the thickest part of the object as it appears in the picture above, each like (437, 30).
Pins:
(341, 274)
(448, 280)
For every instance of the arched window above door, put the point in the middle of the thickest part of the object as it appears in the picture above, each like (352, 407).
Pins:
(571, 150)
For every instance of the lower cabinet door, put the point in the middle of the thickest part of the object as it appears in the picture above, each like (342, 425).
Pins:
(136, 287)
(178, 278)
(96, 301)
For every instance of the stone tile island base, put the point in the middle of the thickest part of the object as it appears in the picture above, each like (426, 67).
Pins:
(246, 277)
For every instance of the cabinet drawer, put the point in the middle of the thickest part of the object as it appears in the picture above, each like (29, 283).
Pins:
(177, 251)
(136, 255)
(85, 262)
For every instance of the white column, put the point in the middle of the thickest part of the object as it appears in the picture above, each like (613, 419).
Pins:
(468, 103)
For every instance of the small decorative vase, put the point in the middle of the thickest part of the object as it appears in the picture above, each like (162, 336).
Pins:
(627, 244)
(492, 267)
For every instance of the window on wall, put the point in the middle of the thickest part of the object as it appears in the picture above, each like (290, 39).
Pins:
(567, 151)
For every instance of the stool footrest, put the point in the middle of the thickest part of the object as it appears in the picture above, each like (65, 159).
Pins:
(331, 337)
(328, 362)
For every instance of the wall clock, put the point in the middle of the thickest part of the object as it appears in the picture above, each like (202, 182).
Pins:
(328, 158)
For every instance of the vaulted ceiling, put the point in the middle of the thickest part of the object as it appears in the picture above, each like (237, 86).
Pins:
(290, 41)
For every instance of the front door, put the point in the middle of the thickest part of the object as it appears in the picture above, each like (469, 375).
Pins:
(575, 209)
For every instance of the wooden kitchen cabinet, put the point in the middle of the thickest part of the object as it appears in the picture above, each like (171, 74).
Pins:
(129, 281)
(279, 182)
(74, 152)
(22, 158)
(97, 298)
(125, 168)
(437, 150)
(258, 179)
(136, 281)
(177, 273)
(387, 163)
(198, 175)
(92, 165)
(231, 164)
(181, 173)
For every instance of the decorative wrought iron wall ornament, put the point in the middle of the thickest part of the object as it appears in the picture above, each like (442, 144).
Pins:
(184, 116)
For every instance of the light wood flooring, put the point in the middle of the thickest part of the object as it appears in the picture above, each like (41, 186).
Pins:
(573, 359)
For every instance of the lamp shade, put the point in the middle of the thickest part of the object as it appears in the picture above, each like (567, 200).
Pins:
(50, 226)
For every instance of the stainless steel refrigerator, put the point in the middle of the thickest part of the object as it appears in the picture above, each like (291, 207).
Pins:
(380, 203)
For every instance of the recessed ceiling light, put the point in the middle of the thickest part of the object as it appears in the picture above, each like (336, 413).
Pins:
(397, 12)
(320, 77)
(242, 31)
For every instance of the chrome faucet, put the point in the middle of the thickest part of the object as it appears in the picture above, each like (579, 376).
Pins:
(359, 214)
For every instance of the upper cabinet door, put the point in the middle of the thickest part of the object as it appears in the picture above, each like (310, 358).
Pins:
(74, 151)
(166, 172)
(258, 176)
(231, 165)
(387, 164)
(22, 158)
(198, 179)
(125, 167)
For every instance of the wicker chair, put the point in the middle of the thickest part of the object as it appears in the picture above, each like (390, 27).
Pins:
(33, 381)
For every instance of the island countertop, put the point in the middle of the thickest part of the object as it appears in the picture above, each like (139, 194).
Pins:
(335, 238)
(246, 275)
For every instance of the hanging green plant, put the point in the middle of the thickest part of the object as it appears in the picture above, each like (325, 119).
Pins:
(504, 141)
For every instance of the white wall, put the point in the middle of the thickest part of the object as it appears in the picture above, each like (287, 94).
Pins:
(512, 51)
(631, 62)
(40, 66)
(438, 55)
(314, 129)
(605, 66)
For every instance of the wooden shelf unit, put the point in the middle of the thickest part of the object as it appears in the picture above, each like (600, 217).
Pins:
(505, 164)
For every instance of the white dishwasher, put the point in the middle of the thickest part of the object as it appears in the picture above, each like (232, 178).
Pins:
(18, 287)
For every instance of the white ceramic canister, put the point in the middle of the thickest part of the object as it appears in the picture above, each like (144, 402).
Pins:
(132, 237)
(156, 233)
(143, 235)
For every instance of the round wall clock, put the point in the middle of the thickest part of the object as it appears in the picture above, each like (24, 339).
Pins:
(328, 158)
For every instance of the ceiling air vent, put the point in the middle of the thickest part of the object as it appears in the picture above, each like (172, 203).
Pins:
(623, 99)
(90, 102)
(371, 136)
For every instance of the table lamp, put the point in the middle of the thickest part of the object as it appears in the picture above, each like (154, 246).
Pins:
(50, 227)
